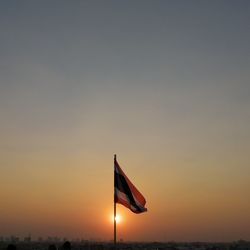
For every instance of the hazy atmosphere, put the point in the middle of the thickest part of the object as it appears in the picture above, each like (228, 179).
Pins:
(162, 84)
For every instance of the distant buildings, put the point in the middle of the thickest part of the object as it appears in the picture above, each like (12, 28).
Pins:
(77, 244)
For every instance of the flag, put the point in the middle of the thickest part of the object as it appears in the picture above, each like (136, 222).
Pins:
(126, 193)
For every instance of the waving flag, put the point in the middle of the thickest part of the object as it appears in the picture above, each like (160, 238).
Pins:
(126, 193)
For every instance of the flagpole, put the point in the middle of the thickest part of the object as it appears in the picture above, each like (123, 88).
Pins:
(114, 207)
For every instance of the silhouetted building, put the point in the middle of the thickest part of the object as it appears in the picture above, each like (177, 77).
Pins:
(11, 247)
(66, 245)
(52, 247)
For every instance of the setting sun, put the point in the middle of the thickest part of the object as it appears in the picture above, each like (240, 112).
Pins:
(118, 218)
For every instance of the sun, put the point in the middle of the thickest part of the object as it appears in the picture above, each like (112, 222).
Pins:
(118, 218)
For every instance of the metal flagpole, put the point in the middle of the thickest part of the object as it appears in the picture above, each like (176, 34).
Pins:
(114, 207)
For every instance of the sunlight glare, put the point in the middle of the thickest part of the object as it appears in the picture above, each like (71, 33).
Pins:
(118, 218)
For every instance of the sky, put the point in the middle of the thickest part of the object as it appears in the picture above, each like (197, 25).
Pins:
(162, 84)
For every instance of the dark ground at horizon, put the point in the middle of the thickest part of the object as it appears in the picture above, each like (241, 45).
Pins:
(88, 245)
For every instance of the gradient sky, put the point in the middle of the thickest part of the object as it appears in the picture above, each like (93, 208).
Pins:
(163, 84)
